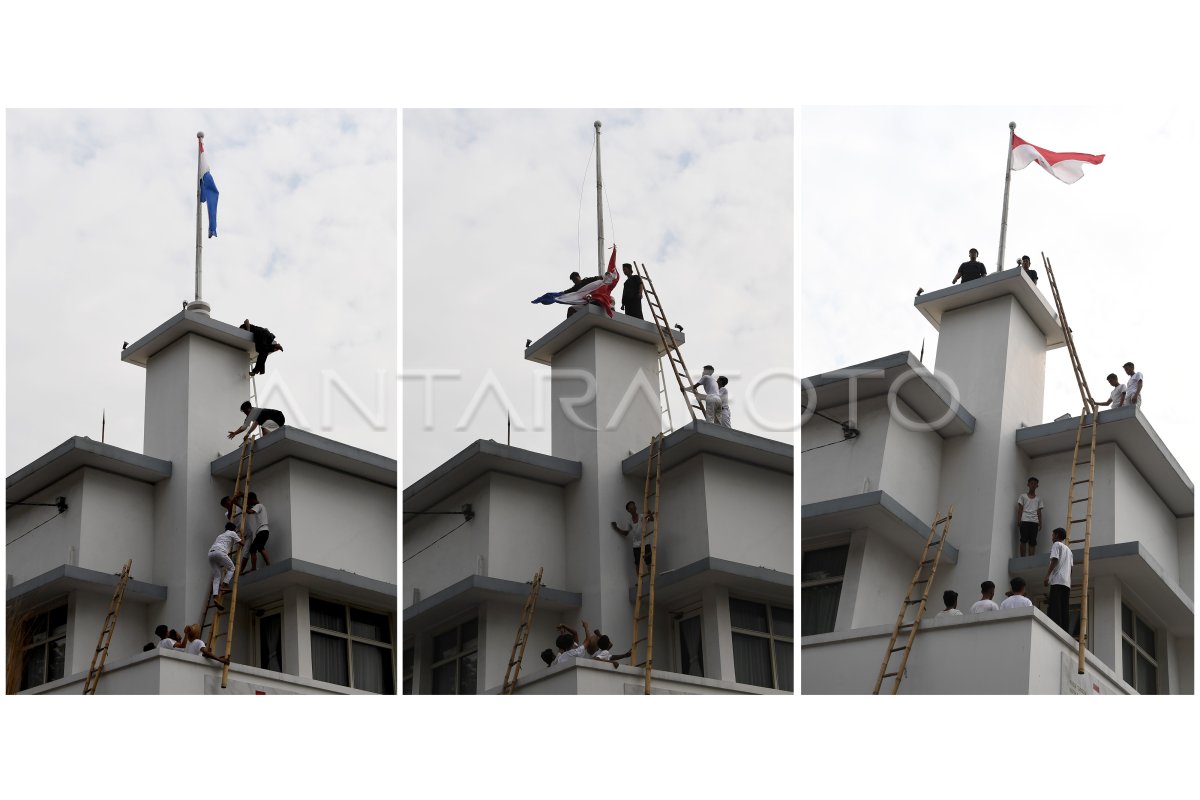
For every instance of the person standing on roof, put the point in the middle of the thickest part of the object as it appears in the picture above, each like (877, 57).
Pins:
(264, 343)
(1133, 387)
(269, 419)
(712, 395)
(1016, 598)
(1029, 518)
(970, 270)
(723, 418)
(631, 295)
(1058, 578)
(1023, 263)
(578, 283)
(1116, 398)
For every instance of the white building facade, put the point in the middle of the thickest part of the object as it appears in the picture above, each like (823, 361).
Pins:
(970, 436)
(724, 589)
(321, 619)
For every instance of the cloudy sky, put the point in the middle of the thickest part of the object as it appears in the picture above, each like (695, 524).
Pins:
(891, 199)
(101, 250)
(500, 206)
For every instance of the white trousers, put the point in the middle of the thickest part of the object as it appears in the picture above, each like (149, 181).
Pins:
(220, 562)
(712, 404)
(723, 418)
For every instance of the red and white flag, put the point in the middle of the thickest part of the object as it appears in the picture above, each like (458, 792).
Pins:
(1067, 167)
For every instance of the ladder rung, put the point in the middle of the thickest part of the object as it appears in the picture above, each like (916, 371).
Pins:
(930, 561)
(1085, 480)
(901, 647)
(1081, 463)
(890, 674)
(1081, 500)
(912, 602)
(907, 625)
(923, 580)
(1078, 520)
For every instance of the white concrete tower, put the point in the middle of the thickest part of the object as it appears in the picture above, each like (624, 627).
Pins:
(196, 378)
(993, 336)
(599, 429)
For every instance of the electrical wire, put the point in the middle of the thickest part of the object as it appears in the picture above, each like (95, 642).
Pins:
(579, 215)
(435, 541)
(819, 414)
(830, 444)
(31, 530)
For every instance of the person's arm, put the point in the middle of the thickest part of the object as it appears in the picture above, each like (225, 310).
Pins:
(622, 531)
(957, 275)
(1020, 508)
(1039, 517)
(1049, 572)
(1134, 394)
(566, 629)
(207, 652)
(241, 428)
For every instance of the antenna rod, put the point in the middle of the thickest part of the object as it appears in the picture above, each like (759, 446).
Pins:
(509, 442)
(599, 208)
(102, 426)
(199, 179)
(1012, 131)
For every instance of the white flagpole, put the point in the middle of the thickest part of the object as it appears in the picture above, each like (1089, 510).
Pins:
(1012, 128)
(198, 304)
(599, 208)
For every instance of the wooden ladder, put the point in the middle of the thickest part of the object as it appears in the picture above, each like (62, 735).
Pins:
(518, 649)
(647, 572)
(245, 467)
(1088, 418)
(664, 404)
(670, 346)
(106, 632)
(908, 601)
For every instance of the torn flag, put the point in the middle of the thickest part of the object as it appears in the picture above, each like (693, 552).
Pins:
(1067, 167)
(598, 291)
(208, 192)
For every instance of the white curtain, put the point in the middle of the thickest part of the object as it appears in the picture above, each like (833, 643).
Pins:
(752, 660)
(372, 669)
(329, 659)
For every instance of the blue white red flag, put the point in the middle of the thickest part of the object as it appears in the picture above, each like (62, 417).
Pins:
(598, 291)
(208, 192)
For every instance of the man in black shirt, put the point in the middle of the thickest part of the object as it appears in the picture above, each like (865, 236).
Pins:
(1024, 262)
(264, 343)
(578, 283)
(970, 270)
(631, 295)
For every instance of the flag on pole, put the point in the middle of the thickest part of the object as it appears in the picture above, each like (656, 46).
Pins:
(1067, 167)
(598, 291)
(208, 192)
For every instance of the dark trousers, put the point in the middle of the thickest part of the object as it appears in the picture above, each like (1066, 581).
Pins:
(637, 551)
(264, 340)
(1060, 606)
(633, 309)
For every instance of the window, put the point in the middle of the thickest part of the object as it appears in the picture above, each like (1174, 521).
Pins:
(821, 573)
(270, 642)
(351, 647)
(409, 660)
(762, 644)
(44, 652)
(1139, 662)
(690, 645)
(456, 659)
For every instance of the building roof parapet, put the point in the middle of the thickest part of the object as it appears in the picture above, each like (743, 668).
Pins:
(1008, 282)
(588, 318)
(67, 578)
(472, 589)
(700, 437)
(289, 442)
(78, 452)
(876, 511)
(481, 457)
(1129, 429)
(901, 372)
(177, 327)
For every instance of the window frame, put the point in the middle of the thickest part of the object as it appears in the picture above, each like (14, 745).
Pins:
(350, 638)
(1139, 650)
(270, 610)
(818, 582)
(769, 634)
(677, 619)
(459, 653)
(44, 645)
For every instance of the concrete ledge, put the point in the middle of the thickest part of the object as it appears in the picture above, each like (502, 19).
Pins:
(481, 457)
(588, 318)
(67, 578)
(588, 676)
(351, 586)
(178, 326)
(1131, 431)
(876, 511)
(78, 452)
(1012, 282)
(919, 388)
(289, 442)
(730, 573)
(704, 437)
(475, 588)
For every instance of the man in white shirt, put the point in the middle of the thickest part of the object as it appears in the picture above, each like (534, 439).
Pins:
(1133, 386)
(1016, 598)
(164, 640)
(712, 394)
(256, 518)
(1029, 517)
(1058, 578)
(1116, 398)
(220, 562)
(633, 529)
(269, 419)
(950, 598)
(985, 602)
(723, 418)
(568, 645)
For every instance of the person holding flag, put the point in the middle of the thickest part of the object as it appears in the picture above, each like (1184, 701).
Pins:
(598, 291)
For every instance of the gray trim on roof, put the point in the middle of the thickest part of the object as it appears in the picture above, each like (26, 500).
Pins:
(77, 452)
(288, 442)
(889, 504)
(183, 323)
(481, 457)
(588, 317)
(66, 578)
(925, 393)
(483, 583)
(1007, 282)
(295, 566)
(705, 437)
(665, 580)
